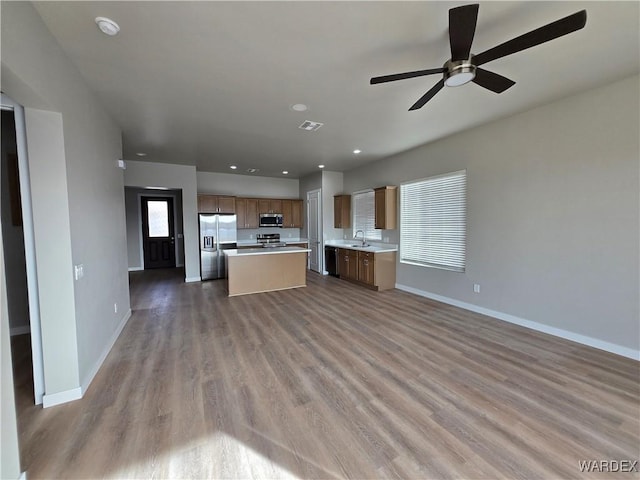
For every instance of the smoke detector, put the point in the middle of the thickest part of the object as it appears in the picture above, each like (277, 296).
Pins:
(310, 126)
(107, 26)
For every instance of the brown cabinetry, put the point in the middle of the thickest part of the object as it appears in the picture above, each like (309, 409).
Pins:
(247, 212)
(269, 205)
(348, 264)
(372, 270)
(216, 204)
(366, 268)
(386, 206)
(292, 213)
(342, 211)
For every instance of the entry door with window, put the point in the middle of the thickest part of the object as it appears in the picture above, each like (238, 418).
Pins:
(158, 232)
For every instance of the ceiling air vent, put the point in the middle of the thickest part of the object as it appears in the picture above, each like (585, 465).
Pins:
(310, 126)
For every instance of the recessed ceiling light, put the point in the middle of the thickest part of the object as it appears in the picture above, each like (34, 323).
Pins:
(285, 172)
(253, 170)
(357, 151)
(232, 167)
(320, 166)
(141, 154)
(107, 26)
(299, 107)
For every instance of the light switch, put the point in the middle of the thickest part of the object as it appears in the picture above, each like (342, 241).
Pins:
(78, 271)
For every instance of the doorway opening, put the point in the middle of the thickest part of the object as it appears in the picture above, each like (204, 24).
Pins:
(158, 232)
(154, 228)
(19, 254)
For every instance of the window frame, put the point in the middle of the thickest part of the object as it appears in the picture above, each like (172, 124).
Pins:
(462, 258)
(376, 232)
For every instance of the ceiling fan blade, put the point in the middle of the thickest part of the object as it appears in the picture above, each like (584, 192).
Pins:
(462, 28)
(402, 76)
(540, 35)
(492, 81)
(428, 96)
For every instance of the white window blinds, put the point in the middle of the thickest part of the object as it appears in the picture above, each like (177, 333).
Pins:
(364, 215)
(433, 221)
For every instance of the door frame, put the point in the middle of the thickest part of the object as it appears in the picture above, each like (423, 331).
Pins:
(29, 248)
(178, 236)
(157, 193)
(321, 269)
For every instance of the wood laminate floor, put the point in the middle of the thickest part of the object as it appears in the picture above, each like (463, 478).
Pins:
(332, 381)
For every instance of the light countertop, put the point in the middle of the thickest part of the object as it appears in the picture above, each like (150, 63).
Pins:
(264, 251)
(355, 245)
(251, 242)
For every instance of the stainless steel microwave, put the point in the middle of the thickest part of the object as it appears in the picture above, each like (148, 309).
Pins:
(271, 220)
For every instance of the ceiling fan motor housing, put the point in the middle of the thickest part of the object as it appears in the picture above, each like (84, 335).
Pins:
(459, 72)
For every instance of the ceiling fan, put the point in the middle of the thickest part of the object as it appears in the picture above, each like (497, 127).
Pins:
(463, 67)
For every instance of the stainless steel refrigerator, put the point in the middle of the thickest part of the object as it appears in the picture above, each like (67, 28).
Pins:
(217, 233)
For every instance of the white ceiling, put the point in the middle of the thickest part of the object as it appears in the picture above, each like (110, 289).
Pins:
(211, 83)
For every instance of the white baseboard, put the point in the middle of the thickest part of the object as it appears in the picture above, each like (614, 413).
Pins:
(192, 279)
(92, 373)
(136, 269)
(23, 476)
(540, 327)
(21, 330)
(61, 397)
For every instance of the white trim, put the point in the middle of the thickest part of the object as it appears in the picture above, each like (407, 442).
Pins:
(540, 327)
(23, 476)
(21, 330)
(179, 265)
(136, 269)
(61, 397)
(29, 247)
(192, 279)
(92, 373)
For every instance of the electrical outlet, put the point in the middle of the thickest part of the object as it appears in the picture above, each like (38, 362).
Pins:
(386, 239)
(251, 235)
(115, 308)
(476, 287)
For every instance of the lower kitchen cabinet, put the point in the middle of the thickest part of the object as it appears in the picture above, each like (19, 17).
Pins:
(373, 270)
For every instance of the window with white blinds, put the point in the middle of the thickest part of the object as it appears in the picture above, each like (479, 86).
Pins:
(433, 221)
(364, 215)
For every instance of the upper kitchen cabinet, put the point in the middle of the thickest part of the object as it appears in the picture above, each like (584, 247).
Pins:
(247, 212)
(216, 204)
(386, 203)
(269, 205)
(292, 213)
(342, 211)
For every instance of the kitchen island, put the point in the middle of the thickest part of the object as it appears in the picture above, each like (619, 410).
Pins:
(256, 270)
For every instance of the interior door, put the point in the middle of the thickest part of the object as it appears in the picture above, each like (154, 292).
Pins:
(315, 230)
(158, 232)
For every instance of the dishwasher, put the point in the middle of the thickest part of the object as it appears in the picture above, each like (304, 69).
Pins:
(331, 260)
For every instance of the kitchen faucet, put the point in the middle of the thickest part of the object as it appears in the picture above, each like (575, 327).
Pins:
(364, 240)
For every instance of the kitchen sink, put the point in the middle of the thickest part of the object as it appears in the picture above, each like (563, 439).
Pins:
(359, 245)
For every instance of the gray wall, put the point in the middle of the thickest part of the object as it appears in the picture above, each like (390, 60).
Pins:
(134, 226)
(174, 177)
(553, 213)
(9, 453)
(332, 184)
(308, 184)
(247, 185)
(76, 317)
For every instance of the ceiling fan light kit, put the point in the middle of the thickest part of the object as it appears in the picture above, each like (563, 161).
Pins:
(463, 67)
(459, 72)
